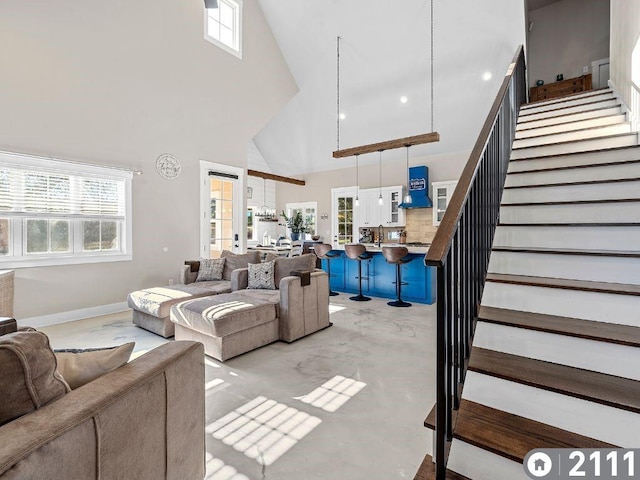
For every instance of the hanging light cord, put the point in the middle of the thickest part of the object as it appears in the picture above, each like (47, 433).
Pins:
(380, 173)
(338, 94)
(432, 65)
(357, 179)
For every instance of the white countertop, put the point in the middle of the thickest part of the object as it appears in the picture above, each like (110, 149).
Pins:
(373, 247)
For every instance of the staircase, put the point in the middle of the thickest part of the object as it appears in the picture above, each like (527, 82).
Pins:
(555, 360)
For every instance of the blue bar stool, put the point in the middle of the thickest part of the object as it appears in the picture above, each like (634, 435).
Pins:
(324, 251)
(358, 252)
(397, 256)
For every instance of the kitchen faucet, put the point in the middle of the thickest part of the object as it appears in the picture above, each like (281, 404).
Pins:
(380, 235)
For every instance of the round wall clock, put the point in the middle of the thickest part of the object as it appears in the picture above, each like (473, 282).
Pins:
(168, 166)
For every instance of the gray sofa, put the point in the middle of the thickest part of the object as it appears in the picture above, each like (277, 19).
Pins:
(238, 322)
(151, 306)
(144, 420)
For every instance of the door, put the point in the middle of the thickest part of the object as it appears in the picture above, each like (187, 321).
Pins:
(221, 207)
(343, 215)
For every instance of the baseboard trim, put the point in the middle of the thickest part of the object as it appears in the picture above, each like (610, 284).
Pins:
(72, 315)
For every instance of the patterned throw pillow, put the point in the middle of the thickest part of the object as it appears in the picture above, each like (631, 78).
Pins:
(261, 276)
(210, 269)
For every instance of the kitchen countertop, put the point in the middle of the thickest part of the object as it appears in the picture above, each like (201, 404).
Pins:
(373, 247)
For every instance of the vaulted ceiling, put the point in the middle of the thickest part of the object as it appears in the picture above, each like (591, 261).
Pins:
(385, 54)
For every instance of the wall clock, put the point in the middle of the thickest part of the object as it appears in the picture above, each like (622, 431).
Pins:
(168, 166)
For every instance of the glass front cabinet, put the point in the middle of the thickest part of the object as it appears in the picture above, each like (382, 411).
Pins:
(442, 192)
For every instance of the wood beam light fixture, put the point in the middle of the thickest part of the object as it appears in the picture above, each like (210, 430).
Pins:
(277, 178)
(388, 145)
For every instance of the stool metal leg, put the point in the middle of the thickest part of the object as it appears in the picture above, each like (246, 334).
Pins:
(399, 302)
(359, 297)
(331, 293)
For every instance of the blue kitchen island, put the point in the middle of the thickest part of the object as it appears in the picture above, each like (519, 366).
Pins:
(379, 277)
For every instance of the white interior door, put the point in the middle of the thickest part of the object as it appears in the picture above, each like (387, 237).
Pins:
(343, 213)
(222, 219)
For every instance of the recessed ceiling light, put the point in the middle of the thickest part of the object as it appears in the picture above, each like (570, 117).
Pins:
(486, 76)
(342, 116)
(404, 99)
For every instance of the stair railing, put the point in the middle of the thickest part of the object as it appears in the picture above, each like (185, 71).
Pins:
(461, 248)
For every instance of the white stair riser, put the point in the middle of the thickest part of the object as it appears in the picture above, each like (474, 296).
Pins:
(586, 174)
(565, 111)
(593, 132)
(602, 357)
(613, 425)
(576, 267)
(563, 103)
(585, 96)
(623, 212)
(563, 193)
(603, 112)
(590, 238)
(600, 307)
(576, 146)
(584, 158)
(567, 127)
(478, 464)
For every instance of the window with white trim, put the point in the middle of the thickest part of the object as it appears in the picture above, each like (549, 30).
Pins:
(55, 212)
(223, 26)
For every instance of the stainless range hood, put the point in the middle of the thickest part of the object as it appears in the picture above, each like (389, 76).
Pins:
(418, 188)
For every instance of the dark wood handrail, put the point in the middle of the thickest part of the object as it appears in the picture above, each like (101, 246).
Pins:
(441, 243)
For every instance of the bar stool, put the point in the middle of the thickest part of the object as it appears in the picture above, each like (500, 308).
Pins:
(324, 252)
(397, 256)
(357, 251)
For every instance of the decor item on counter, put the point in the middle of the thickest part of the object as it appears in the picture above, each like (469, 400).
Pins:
(168, 166)
(559, 77)
(403, 236)
(539, 82)
(297, 224)
(407, 198)
(315, 238)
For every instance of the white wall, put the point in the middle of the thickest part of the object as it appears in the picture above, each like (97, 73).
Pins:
(567, 36)
(119, 83)
(318, 185)
(625, 53)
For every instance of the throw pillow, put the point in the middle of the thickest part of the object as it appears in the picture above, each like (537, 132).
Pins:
(284, 266)
(261, 276)
(210, 269)
(78, 367)
(235, 261)
(28, 376)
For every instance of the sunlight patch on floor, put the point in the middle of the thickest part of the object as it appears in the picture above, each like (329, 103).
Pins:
(331, 395)
(263, 429)
(218, 470)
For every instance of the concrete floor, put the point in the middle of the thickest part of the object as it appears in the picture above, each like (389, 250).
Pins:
(346, 403)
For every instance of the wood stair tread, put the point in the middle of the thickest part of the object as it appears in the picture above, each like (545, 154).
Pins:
(522, 118)
(579, 140)
(569, 251)
(512, 436)
(584, 129)
(572, 167)
(427, 471)
(572, 202)
(574, 327)
(568, 98)
(564, 154)
(566, 284)
(529, 129)
(596, 387)
(569, 184)
(586, 224)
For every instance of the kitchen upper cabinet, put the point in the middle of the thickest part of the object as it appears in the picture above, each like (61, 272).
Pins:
(442, 192)
(371, 214)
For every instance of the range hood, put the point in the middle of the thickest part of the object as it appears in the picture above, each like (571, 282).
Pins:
(418, 188)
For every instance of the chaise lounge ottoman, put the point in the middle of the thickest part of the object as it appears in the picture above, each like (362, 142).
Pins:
(228, 324)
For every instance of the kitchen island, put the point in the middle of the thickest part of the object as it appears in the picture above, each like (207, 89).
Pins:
(379, 276)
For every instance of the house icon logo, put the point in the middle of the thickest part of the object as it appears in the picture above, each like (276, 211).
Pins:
(538, 464)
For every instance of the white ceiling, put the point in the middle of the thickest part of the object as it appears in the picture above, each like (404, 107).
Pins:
(385, 54)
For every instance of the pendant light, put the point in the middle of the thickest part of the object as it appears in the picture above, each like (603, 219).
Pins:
(265, 213)
(357, 184)
(407, 198)
(380, 201)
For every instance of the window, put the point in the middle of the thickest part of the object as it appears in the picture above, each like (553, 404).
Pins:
(224, 26)
(54, 212)
(251, 225)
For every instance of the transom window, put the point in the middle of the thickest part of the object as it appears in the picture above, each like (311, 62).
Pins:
(54, 212)
(224, 26)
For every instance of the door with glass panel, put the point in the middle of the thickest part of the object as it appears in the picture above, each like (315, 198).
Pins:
(343, 213)
(222, 231)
